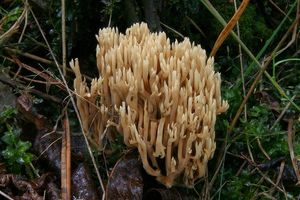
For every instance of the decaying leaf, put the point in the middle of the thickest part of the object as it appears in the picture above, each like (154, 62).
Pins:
(126, 181)
(82, 184)
(29, 189)
(25, 107)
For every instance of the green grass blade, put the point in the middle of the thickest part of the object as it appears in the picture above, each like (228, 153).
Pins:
(215, 13)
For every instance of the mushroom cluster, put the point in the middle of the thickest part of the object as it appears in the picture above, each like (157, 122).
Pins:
(163, 98)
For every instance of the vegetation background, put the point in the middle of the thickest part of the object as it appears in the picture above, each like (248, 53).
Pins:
(258, 143)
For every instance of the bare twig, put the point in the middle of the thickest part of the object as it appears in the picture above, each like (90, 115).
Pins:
(277, 7)
(291, 149)
(222, 155)
(170, 28)
(282, 166)
(264, 176)
(28, 55)
(249, 149)
(25, 25)
(5, 195)
(294, 35)
(262, 149)
(33, 80)
(196, 26)
(282, 112)
(52, 143)
(270, 181)
(45, 75)
(41, 60)
(14, 84)
(241, 168)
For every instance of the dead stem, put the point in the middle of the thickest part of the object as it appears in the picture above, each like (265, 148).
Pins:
(66, 160)
(291, 149)
(262, 149)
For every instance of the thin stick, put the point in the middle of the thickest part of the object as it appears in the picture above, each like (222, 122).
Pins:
(25, 25)
(63, 36)
(73, 103)
(15, 84)
(277, 7)
(264, 176)
(66, 160)
(46, 76)
(262, 149)
(241, 61)
(5, 195)
(291, 149)
(40, 59)
(281, 168)
(168, 27)
(282, 113)
(34, 80)
(29, 55)
(196, 26)
(52, 143)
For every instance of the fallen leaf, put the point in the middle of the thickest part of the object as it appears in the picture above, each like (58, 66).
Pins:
(30, 189)
(82, 184)
(230, 25)
(126, 181)
(25, 107)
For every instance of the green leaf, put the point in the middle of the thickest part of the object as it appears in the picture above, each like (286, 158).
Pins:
(9, 138)
(7, 113)
(23, 146)
(9, 153)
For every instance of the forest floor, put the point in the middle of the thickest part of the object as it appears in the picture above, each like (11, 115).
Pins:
(43, 153)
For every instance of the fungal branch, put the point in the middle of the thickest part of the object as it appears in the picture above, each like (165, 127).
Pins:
(166, 97)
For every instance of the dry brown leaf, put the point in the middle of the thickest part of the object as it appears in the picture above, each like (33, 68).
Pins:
(230, 25)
